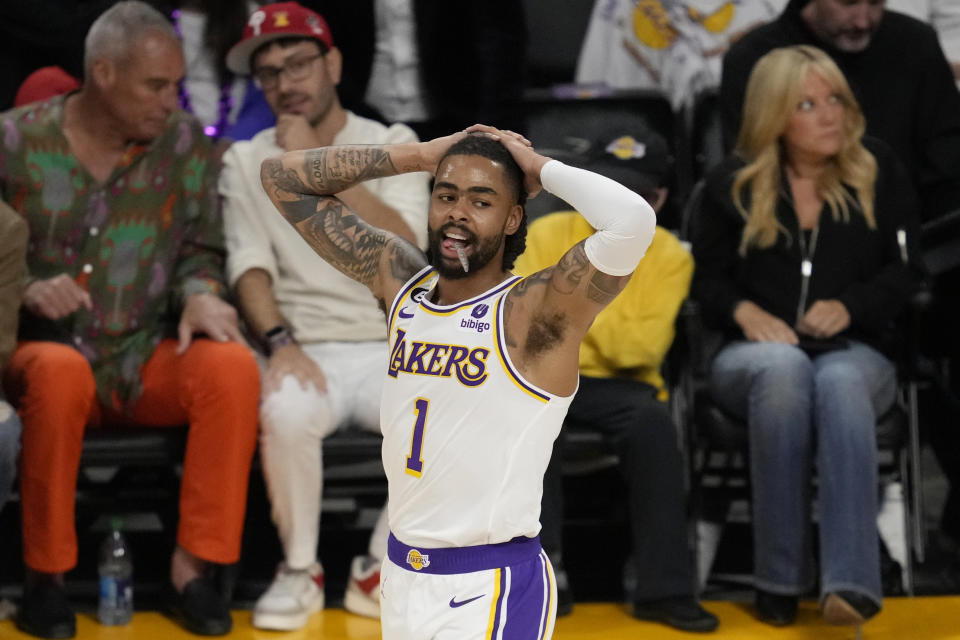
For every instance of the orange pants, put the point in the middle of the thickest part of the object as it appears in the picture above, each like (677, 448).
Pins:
(214, 387)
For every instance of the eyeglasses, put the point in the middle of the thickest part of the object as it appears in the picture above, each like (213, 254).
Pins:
(296, 69)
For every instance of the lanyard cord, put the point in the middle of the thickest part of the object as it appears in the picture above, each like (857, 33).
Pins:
(806, 266)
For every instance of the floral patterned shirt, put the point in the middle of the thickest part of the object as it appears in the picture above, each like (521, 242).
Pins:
(139, 243)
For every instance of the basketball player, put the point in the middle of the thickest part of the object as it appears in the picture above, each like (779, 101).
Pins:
(483, 364)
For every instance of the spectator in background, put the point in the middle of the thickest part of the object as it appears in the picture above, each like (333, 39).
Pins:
(920, 120)
(323, 333)
(50, 32)
(944, 17)
(674, 46)
(436, 66)
(207, 29)
(622, 393)
(13, 248)
(126, 251)
(228, 106)
(801, 247)
(904, 84)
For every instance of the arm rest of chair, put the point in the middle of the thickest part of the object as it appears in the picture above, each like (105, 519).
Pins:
(914, 318)
(940, 240)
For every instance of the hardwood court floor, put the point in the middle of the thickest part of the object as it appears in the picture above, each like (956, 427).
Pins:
(922, 618)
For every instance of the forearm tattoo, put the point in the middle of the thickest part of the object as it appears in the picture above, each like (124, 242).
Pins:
(338, 235)
(344, 240)
(288, 191)
(333, 169)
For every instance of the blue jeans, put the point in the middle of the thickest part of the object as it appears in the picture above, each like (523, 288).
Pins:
(800, 410)
(9, 449)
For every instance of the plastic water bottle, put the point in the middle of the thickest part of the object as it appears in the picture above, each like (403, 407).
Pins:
(116, 579)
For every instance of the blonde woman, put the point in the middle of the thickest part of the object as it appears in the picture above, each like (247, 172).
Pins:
(803, 250)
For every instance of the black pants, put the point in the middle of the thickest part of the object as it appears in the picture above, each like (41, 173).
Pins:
(642, 433)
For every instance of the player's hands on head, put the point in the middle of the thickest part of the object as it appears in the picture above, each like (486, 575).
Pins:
(522, 151)
(432, 151)
(499, 134)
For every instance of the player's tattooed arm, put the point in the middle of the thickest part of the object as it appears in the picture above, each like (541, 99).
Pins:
(298, 181)
(576, 276)
(334, 169)
(558, 298)
(329, 170)
(301, 185)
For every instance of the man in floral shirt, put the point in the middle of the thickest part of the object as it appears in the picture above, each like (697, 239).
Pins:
(125, 261)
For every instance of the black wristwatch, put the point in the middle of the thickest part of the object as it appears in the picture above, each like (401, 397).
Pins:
(277, 337)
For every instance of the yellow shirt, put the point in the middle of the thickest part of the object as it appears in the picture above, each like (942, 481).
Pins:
(631, 337)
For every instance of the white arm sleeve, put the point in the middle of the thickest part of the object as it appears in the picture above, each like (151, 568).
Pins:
(625, 223)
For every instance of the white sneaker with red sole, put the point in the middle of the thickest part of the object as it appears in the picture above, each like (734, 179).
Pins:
(363, 589)
(294, 596)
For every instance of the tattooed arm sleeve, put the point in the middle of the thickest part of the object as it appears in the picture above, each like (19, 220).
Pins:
(302, 184)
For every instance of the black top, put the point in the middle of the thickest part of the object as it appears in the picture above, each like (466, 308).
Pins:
(903, 84)
(39, 33)
(862, 268)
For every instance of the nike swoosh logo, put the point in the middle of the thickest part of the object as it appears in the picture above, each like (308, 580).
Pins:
(403, 313)
(455, 604)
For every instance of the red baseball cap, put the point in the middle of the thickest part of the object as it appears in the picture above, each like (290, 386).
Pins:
(44, 83)
(272, 22)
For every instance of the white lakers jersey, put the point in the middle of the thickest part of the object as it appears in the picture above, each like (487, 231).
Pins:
(466, 440)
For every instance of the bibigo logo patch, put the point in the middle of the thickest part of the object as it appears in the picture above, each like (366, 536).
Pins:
(417, 560)
(476, 324)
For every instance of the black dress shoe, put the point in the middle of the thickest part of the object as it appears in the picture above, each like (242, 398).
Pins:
(200, 609)
(682, 612)
(776, 609)
(848, 608)
(45, 612)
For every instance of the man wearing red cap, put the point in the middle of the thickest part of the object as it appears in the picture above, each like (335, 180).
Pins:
(118, 188)
(323, 334)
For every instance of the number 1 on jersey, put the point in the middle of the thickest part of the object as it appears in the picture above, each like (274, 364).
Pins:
(414, 460)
